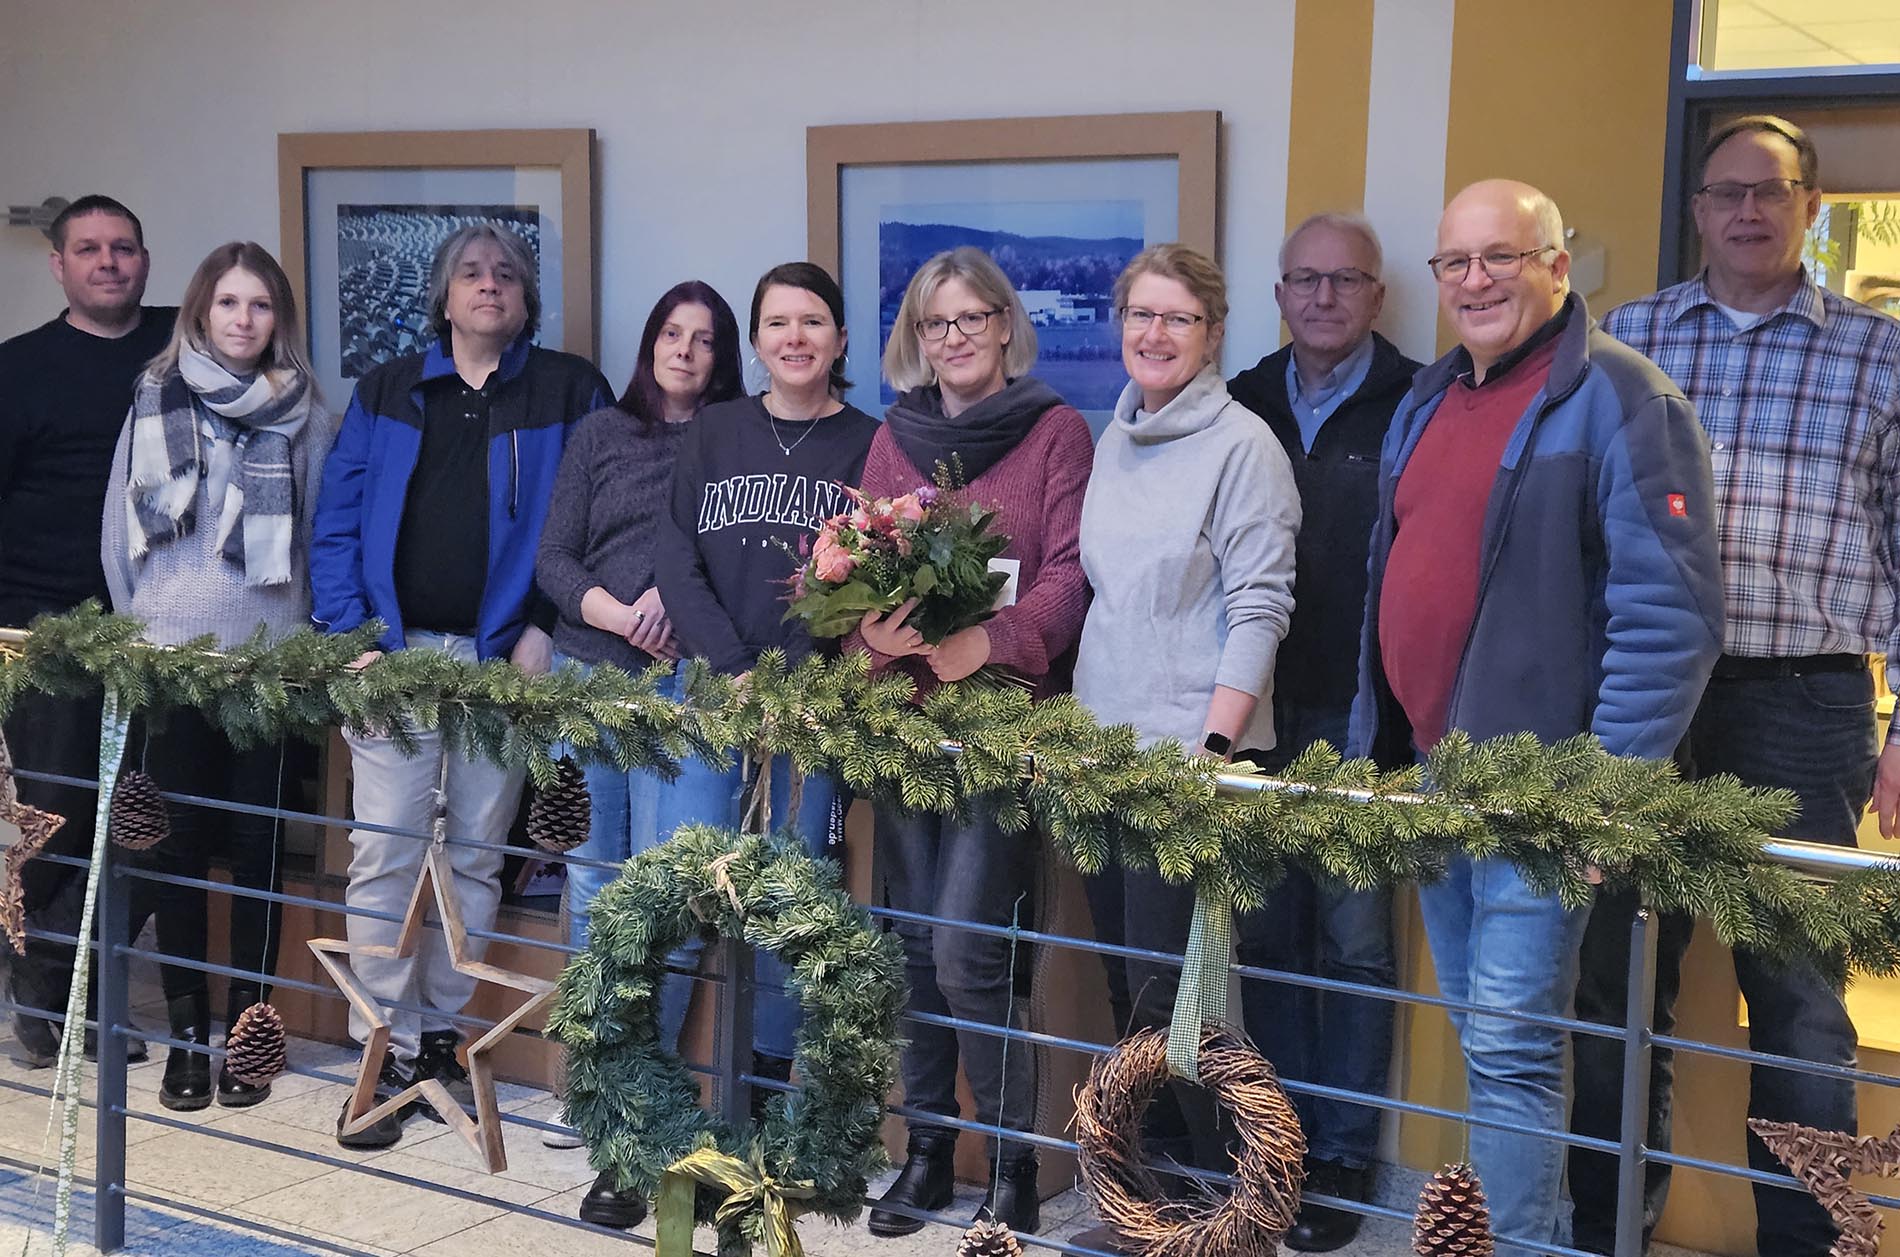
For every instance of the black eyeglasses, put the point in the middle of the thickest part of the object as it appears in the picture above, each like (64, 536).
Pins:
(1450, 268)
(1769, 193)
(1346, 281)
(970, 323)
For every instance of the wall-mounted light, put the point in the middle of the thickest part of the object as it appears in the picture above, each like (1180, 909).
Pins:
(39, 217)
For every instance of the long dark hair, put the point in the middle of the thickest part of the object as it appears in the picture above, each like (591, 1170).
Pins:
(816, 280)
(643, 399)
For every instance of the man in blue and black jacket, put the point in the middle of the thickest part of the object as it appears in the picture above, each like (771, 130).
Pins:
(1545, 560)
(428, 520)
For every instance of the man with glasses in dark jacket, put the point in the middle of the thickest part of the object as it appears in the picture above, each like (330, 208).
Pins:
(1328, 395)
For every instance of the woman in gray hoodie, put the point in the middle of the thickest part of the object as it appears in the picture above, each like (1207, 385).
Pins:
(1188, 530)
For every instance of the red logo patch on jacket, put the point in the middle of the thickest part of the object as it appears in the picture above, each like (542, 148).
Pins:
(1679, 506)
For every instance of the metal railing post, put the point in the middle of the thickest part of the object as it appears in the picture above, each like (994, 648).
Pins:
(1632, 1161)
(114, 917)
(732, 1047)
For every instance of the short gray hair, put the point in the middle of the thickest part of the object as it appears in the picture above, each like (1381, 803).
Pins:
(904, 363)
(1339, 220)
(1550, 225)
(448, 256)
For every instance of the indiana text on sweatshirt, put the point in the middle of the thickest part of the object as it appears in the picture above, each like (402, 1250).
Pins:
(746, 488)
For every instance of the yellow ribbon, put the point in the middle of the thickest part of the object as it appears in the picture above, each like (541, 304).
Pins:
(749, 1187)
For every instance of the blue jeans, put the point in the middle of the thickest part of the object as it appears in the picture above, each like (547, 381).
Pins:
(1329, 930)
(709, 796)
(1498, 943)
(1813, 735)
(623, 822)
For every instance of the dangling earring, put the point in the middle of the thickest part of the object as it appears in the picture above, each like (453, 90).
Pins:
(756, 376)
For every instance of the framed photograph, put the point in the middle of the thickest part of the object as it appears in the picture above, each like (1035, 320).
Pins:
(1062, 204)
(363, 213)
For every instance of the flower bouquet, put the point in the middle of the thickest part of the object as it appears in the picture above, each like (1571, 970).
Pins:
(930, 545)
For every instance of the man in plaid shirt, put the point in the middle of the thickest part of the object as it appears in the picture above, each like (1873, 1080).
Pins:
(1799, 390)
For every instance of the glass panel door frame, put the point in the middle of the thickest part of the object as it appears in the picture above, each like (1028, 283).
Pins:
(1695, 103)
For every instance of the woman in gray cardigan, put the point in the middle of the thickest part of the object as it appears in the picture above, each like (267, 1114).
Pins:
(207, 532)
(1188, 530)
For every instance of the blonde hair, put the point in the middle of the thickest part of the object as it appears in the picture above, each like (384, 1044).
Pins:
(904, 363)
(284, 359)
(1190, 268)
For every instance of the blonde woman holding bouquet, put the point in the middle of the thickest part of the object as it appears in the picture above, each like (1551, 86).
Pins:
(207, 532)
(961, 352)
(1188, 540)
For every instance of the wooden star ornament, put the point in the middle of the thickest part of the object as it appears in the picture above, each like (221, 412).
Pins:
(1822, 1161)
(482, 1133)
(36, 828)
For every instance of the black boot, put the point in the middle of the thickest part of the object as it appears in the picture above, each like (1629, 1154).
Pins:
(386, 1129)
(437, 1060)
(778, 1069)
(926, 1182)
(1013, 1198)
(233, 1094)
(606, 1205)
(187, 1083)
(1320, 1228)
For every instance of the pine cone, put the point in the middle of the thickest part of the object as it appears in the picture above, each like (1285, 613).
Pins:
(987, 1238)
(138, 819)
(1452, 1218)
(254, 1049)
(558, 818)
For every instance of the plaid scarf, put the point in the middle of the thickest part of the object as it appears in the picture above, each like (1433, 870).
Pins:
(251, 423)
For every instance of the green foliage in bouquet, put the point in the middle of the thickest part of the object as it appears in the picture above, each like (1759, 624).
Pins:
(932, 545)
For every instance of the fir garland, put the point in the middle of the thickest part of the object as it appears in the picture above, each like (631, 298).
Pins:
(1552, 811)
(637, 1106)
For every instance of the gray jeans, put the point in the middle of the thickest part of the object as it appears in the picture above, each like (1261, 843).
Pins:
(964, 871)
(399, 790)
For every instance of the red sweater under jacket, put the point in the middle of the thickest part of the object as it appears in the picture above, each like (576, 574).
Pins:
(1037, 490)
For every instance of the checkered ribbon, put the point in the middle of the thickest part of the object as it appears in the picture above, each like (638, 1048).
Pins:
(1202, 996)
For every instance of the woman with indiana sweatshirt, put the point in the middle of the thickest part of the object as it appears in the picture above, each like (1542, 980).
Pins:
(207, 532)
(430, 515)
(1188, 535)
(753, 476)
(596, 565)
(961, 351)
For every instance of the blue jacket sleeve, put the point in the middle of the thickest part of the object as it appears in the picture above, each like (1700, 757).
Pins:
(1663, 591)
(338, 600)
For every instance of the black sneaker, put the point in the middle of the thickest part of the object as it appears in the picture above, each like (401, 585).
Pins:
(386, 1129)
(437, 1060)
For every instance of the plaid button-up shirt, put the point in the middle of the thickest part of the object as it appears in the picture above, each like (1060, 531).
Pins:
(1803, 415)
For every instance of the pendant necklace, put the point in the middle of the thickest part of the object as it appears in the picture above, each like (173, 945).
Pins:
(772, 419)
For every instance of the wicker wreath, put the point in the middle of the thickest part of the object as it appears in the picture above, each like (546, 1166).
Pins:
(636, 1104)
(1246, 1223)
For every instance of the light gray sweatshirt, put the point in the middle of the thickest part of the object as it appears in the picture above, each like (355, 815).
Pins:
(183, 588)
(1188, 531)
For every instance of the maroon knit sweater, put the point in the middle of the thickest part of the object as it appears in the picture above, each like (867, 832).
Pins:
(1037, 490)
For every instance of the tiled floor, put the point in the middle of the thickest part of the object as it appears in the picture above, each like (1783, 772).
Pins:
(298, 1200)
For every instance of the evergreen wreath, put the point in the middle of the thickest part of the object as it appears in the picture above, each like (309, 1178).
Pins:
(636, 1104)
(1553, 811)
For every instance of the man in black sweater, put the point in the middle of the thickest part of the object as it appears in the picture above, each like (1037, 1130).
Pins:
(65, 388)
(1329, 396)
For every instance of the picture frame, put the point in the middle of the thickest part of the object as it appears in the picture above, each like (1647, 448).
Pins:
(362, 212)
(1062, 203)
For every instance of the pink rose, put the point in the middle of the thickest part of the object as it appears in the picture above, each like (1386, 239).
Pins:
(861, 520)
(831, 562)
(908, 508)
